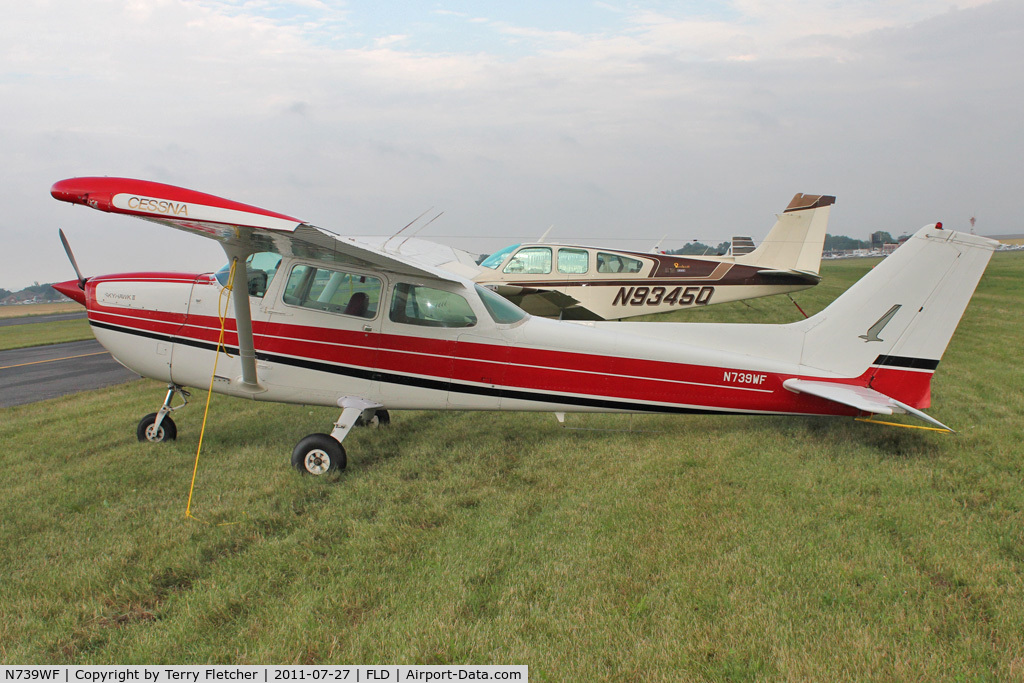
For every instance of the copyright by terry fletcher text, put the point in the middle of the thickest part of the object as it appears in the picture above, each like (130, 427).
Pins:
(261, 674)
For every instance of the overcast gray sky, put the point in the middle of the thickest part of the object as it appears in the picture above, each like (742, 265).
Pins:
(615, 121)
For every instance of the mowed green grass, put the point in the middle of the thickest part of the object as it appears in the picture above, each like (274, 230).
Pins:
(41, 334)
(642, 548)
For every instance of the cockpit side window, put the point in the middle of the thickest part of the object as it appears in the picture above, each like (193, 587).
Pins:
(429, 307)
(333, 291)
(261, 269)
(501, 310)
(530, 261)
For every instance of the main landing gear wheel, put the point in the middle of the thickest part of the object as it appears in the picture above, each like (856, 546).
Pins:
(381, 418)
(148, 431)
(319, 454)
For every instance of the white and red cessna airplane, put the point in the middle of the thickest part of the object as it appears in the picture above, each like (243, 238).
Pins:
(319, 319)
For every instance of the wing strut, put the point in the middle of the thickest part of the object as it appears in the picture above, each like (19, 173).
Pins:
(243, 317)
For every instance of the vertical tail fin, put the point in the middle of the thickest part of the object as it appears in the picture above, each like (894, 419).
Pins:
(892, 327)
(796, 240)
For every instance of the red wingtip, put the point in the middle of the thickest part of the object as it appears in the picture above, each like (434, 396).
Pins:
(100, 192)
(69, 191)
(72, 290)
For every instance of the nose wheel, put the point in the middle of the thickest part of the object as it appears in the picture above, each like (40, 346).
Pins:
(157, 427)
(149, 430)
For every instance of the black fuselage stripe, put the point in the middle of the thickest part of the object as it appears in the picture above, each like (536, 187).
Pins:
(427, 383)
(906, 362)
(471, 389)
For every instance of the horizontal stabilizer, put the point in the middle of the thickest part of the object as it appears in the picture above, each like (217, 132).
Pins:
(862, 398)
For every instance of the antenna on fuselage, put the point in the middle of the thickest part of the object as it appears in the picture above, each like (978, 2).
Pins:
(547, 232)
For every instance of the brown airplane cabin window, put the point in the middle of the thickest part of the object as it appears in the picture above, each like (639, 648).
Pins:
(573, 261)
(617, 263)
(530, 261)
(333, 291)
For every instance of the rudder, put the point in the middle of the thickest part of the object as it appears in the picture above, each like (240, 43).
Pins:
(892, 327)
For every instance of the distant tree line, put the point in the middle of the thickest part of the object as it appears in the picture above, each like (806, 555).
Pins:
(844, 243)
(700, 249)
(832, 243)
(841, 243)
(39, 292)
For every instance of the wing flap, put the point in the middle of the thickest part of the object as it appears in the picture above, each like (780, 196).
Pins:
(865, 399)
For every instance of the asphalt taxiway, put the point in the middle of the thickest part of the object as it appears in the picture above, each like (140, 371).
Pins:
(43, 372)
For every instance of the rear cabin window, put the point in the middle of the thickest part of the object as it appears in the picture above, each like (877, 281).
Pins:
(573, 261)
(333, 291)
(617, 263)
(429, 307)
(530, 261)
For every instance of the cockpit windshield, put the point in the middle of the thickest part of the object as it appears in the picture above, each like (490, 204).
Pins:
(498, 257)
(261, 268)
(503, 311)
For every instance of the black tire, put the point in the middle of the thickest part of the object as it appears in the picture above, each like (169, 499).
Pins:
(381, 418)
(168, 430)
(319, 454)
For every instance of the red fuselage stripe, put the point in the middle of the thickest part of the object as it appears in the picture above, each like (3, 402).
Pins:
(541, 370)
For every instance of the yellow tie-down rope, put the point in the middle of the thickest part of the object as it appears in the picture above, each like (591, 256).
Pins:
(897, 424)
(223, 316)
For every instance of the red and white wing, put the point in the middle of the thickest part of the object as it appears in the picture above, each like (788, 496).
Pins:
(238, 226)
(241, 229)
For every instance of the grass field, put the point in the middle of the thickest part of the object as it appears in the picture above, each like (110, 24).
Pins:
(38, 309)
(39, 334)
(689, 548)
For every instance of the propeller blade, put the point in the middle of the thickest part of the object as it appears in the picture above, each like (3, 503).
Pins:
(71, 257)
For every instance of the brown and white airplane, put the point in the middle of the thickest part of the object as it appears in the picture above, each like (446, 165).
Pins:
(586, 283)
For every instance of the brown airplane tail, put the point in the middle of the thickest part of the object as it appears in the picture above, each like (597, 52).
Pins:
(795, 241)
